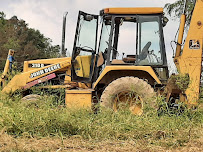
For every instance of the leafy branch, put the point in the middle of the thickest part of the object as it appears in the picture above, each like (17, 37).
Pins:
(176, 9)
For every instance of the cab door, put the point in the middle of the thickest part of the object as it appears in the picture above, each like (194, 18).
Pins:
(84, 49)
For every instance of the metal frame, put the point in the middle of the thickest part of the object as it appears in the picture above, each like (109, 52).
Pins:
(74, 76)
(93, 61)
(162, 45)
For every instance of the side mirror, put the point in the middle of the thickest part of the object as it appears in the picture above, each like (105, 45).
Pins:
(107, 22)
(165, 21)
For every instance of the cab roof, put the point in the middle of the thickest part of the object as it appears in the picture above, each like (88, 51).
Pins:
(135, 10)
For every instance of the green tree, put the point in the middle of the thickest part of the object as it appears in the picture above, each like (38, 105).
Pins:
(27, 42)
(12, 43)
(177, 8)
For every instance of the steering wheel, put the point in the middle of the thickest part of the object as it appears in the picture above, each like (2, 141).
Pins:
(87, 49)
(145, 51)
(84, 48)
(155, 56)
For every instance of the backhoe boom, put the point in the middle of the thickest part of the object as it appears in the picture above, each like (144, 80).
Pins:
(189, 60)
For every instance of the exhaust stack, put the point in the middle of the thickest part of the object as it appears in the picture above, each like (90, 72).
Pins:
(63, 50)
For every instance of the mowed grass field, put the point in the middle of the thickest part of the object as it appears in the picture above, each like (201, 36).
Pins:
(47, 125)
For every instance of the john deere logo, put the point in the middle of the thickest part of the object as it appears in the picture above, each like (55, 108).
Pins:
(194, 44)
(46, 70)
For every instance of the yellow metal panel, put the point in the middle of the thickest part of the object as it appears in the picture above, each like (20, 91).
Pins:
(68, 75)
(147, 69)
(51, 60)
(56, 86)
(25, 66)
(43, 61)
(180, 35)
(79, 98)
(191, 59)
(84, 85)
(82, 66)
(22, 79)
(138, 10)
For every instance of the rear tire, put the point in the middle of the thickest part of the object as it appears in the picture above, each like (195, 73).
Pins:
(131, 92)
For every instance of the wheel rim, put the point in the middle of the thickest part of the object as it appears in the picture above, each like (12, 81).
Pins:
(128, 100)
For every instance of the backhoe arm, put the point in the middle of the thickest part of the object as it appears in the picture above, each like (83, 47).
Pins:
(180, 36)
(190, 60)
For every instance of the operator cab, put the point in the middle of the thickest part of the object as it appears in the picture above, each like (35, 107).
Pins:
(128, 36)
(133, 36)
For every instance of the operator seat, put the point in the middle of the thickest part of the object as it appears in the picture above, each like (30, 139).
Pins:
(145, 51)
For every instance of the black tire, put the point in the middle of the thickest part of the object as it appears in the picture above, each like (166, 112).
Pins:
(133, 91)
(31, 97)
(31, 100)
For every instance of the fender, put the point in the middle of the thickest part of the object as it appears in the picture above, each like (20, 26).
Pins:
(147, 69)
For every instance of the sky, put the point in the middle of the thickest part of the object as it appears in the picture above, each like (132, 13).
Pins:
(47, 16)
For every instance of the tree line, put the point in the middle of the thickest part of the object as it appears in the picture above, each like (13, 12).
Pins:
(28, 43)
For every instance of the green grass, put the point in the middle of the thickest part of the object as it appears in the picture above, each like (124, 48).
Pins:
(48, 119)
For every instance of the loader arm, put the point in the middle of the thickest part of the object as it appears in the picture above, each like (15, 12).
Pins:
(189, 60)
(20, 80)
(8, 65)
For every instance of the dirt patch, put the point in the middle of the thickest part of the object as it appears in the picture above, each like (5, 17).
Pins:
(74, 144)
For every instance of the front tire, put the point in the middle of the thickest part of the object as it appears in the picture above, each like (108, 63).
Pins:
(128, 92)
(31, 100)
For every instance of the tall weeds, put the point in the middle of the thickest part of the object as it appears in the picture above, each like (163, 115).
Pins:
(50, 119)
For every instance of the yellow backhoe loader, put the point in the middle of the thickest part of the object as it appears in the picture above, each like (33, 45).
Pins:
(127, 66)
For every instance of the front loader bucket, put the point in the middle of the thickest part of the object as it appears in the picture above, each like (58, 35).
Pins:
(172, 91)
